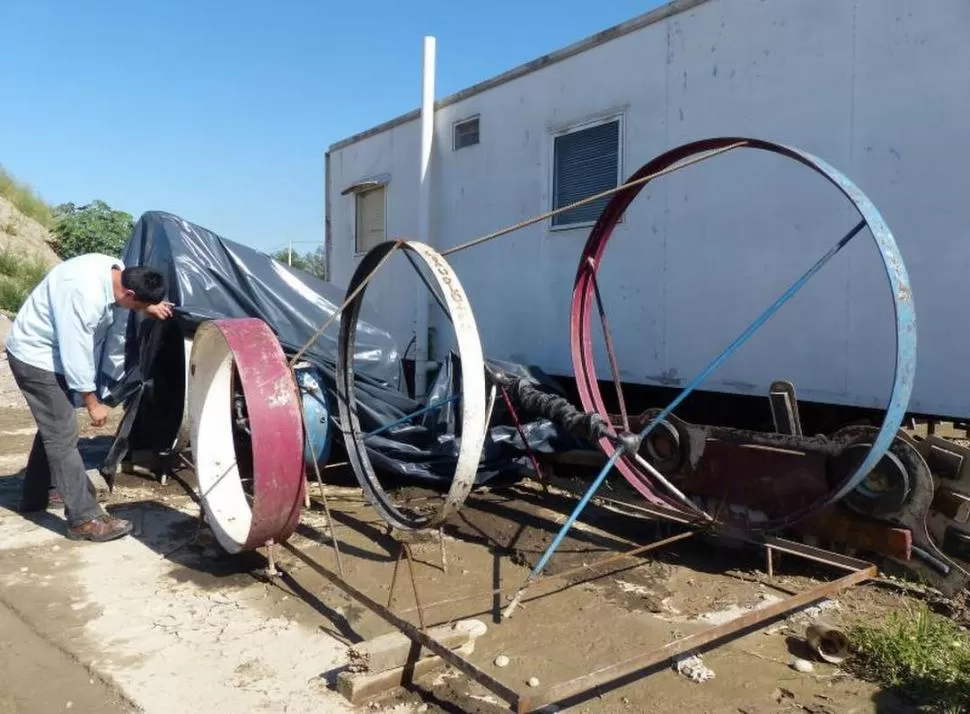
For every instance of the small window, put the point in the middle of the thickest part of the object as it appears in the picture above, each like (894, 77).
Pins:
(585, 162)
(466, 133)
(370, 219)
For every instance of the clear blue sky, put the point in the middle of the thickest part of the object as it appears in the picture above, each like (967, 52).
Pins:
(220, 110)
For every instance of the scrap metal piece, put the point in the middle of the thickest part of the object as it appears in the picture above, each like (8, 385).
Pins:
(245, 516)
(583, 307)
(473, 401)
(784, 408)
(946, 459)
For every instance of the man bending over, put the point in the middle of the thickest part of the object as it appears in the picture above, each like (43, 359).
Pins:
(52, 349)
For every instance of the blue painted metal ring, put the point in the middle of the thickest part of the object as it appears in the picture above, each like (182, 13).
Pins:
(903, 308)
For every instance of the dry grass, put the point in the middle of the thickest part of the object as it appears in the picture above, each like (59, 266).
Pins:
(25, 199)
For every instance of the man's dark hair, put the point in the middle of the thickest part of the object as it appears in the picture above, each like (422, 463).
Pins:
(147, 284)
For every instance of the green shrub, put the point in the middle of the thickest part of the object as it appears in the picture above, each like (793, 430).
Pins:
(93, 228)
(19, 274)
(921, 654)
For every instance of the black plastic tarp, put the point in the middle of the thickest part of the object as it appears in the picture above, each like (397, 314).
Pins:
(209, 277)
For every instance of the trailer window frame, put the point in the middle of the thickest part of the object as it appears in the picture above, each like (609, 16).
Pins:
(561, 221)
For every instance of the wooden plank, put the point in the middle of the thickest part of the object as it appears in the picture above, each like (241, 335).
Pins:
(361, 686)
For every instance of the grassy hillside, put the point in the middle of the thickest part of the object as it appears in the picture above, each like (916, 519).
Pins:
(25, 257)
(25, 199)
(18, 276)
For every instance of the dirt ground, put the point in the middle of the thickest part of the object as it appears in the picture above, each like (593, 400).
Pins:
(163, 621)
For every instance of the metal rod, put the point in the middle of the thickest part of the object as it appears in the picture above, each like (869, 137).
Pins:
(752, 328)
(330, 521)
(610, 352)
(414, 585)
(323, 491)
(770, 562)
(349, 299)
(619, 556)
(559, 576)
(490, 408)
(601, 677)
(648, 467)
(521, 431)
(591, 199)
(557, 541)
(397, 564)
(441, 545)
(408, 417)
(427, 284)
(411, 632)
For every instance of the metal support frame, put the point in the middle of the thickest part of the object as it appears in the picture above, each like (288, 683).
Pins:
(626, 670)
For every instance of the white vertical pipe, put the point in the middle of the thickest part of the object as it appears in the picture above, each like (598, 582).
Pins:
(422, 303)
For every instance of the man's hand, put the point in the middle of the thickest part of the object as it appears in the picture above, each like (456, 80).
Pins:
(98, 413)
(161, 311)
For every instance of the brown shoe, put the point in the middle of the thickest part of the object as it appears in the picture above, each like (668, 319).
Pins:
(101, 529)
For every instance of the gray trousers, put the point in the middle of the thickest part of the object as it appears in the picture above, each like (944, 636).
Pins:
(54, 457)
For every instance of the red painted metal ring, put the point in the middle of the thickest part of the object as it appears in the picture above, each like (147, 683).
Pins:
(248, 348)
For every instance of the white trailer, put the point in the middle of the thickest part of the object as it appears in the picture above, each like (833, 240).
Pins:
(880, 89)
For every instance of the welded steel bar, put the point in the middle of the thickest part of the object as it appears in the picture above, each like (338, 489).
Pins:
(427, 284)
(492, 396)
(782, 545)
(595, 565)
(397, 566)
(352, 295)
(633, 665)
(323, 492)
(412, 632)
(518, 427)
(619, 556)
(662, 480)
(666, 411)
(632, 183)
(414, 585)
(757, 324)
(610, 351)
(563, 530)
(408, 417)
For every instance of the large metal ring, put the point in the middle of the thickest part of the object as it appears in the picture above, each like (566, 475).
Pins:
(583, 304)
(242, 518)
(472, 404)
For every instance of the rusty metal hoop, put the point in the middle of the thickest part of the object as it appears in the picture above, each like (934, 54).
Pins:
(472, 406)
(584, 303)
(247, 348)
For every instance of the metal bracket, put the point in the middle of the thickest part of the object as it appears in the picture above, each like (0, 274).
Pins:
(784, 408)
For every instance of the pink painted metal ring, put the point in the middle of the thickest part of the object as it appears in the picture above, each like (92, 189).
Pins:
(248, 454)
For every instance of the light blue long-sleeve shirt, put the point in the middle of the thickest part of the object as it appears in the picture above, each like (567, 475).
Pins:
(62, 325)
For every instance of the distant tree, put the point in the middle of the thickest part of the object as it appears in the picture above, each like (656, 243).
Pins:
(312, 262)
(94, 228)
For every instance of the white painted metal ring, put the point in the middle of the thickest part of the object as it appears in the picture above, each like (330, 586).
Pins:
(472, 405)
